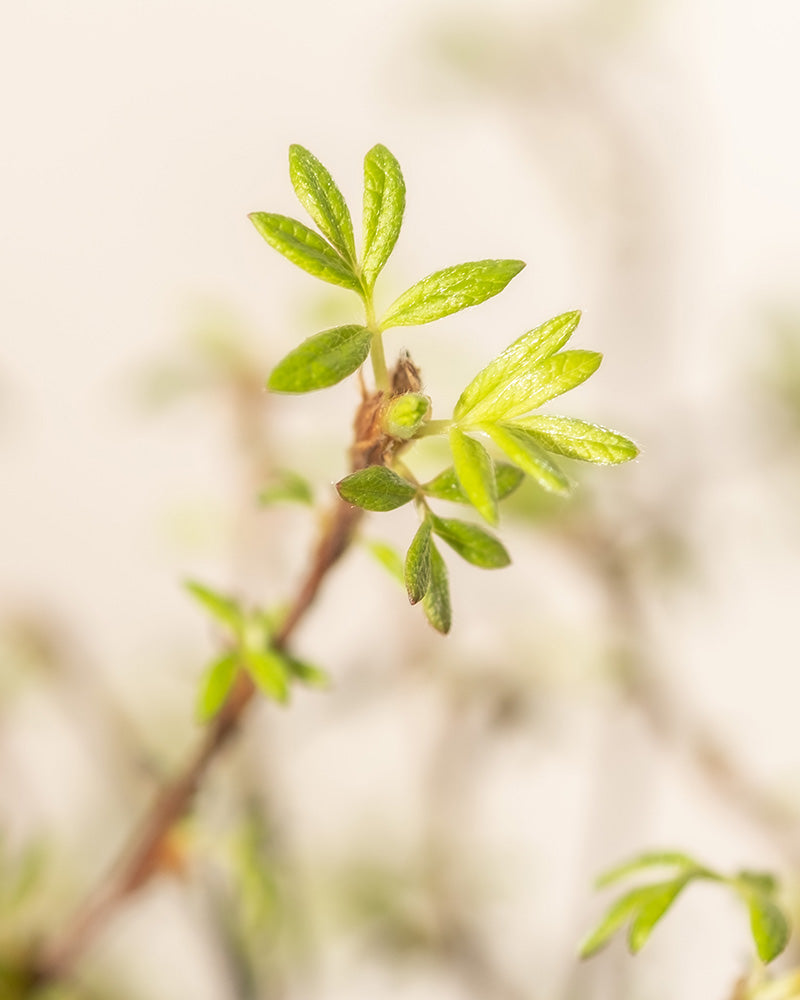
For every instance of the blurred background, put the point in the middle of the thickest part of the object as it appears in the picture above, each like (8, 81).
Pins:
(430, 827)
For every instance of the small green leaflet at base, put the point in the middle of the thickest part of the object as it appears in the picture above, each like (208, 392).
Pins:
(321, 198)
(303, 247)
(524, 451)
(376, 488)
(384, 204)
(579, 440)
(451, 290)
(446, 486)
(436, 601)
(417, 569)
(215, 686)
(322, 360)
(475, 472)
(472, 542)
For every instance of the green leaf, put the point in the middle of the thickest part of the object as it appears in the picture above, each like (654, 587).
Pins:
(644, 862)
(760, 881)
(216, 686)
(531, 348)
(389, 558)
(268, 669)
(376, 488)
(769, 927)
(322, 199)
(579, 439)
(287, 486)
(305, 248)
(532, 387)
(322, 360)
(451, 290)
(223, 609)
(475, 472)
(446, 486)
(384, 204)
(615, 917)
(417, 569)
(524, 451)
(472, 542)
(405, 415)
(436, 602)
(306, 673)
(656, 900)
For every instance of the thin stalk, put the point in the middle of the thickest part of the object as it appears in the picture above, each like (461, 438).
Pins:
(433, 427)
(377, 354)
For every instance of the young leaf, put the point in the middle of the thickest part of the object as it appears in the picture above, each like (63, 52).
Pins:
(305, 248)
(436, 601)
(650, 859)
(306, 673)
(579, 439)
(417, 569)
(472, 543)
(451, 290)
(531, 348)
(268, 670)
(216, 686)
(287, 486)
(322, 199)
(475, 472)
(224, 610)
(389, 558)
(384, 203)
(405, 415)
(769, 927)
(615, 917)
(322, 360)
(523, 450)
(531, 387)
(446, 486)
(376, 488)
(655, 903)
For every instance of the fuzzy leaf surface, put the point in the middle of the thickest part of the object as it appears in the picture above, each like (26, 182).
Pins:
(527, 351)
(384, 204)
(532, 387)
(322, 360)
(525, 452)
(417, 569)
(451, 290)
(446, 485)
(472, 542)
(322, 199)
(475, 471)
(406, 414)
(216, 686)
(436, 601)
(376, 488)
(579, 439)
(305, 248)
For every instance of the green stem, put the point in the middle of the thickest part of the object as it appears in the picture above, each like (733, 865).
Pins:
(434, 427)
(377, 355)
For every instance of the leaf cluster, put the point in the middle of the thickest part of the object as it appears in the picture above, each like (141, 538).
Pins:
(643, 906)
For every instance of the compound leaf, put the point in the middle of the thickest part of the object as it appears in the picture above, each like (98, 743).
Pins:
(531, 348)
(384, 204)
(451, 290)
(216, 686)
(322, 199)
(472, 542)
(475, 472)
(446, 485)
(417, 569)
(436, 601)
(376, 488)
(322, 360)
(305, 248)
(524, 451)
(579, 439)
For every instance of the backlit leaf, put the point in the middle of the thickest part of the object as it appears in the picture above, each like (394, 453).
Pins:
(222, 608)
(617, 914)
(322, 360)
(384, 203)
(268, 670)
(216, 686)
(305, 673)
(305, 248)
(531, 348)
(446, 486)
(524, 451)
(531, 387)
(656, 900)
(436, 601)
(417, 570)
(769, 927)
(579, 439)
(475, 472)
(451, 290)
(322, 199)
(376, 488)
(472, 542)
(644, 862)
(388, 557)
